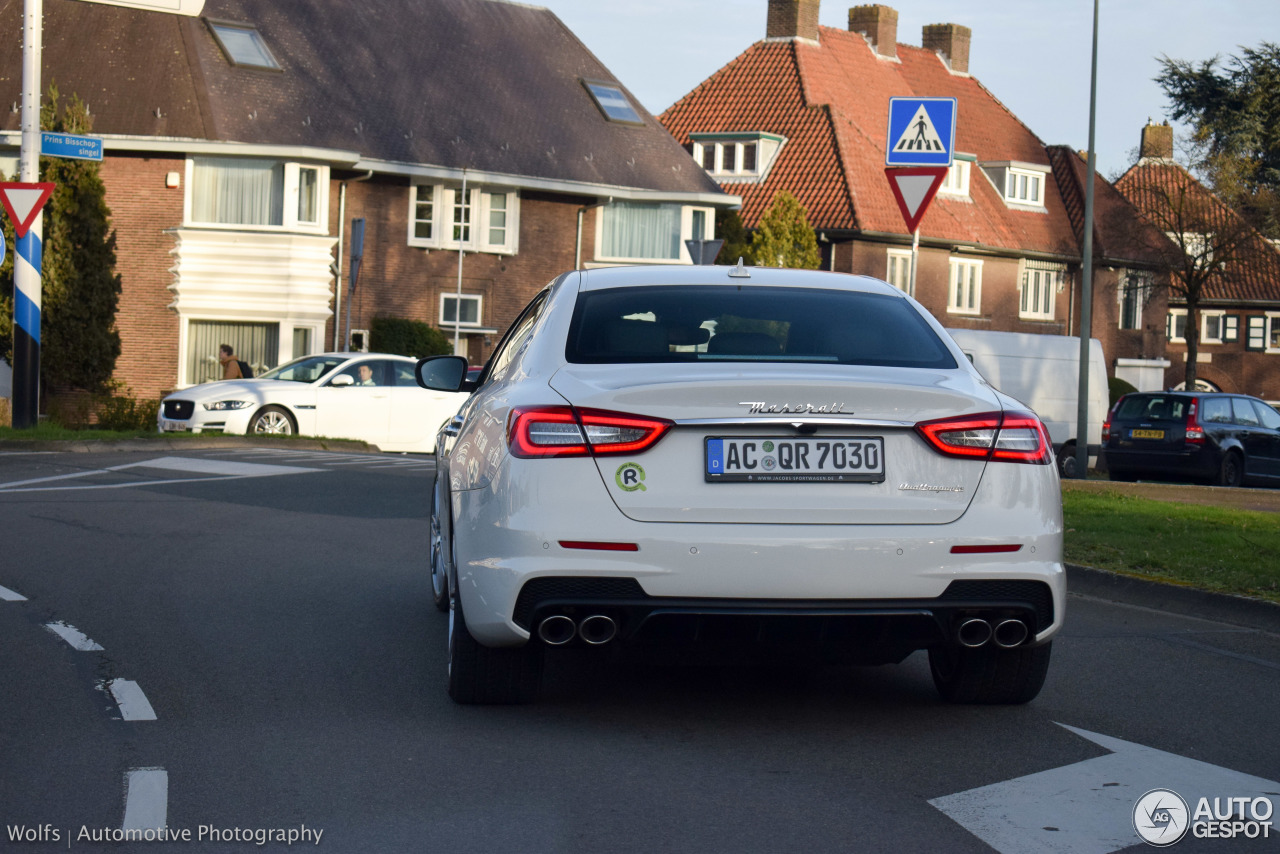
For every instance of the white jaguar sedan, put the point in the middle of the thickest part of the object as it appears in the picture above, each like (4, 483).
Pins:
(366, 396)
(711, 463)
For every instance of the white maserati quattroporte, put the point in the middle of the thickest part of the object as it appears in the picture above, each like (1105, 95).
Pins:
(711, 463)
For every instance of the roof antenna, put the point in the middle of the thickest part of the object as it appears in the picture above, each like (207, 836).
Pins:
(740, 271)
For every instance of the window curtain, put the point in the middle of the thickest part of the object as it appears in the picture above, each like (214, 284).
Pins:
(641, 231)
(235, 191)
(256, 343)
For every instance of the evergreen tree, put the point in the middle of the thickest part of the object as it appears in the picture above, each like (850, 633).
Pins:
(80, 289)
(737, 240)
(784, 238)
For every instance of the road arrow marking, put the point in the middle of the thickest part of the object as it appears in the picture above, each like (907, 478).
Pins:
(1087, 808)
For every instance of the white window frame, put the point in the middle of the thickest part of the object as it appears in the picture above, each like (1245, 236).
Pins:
(289, 215)
(1019, 185)
(1140, 284)
(443, 198)
(1036, 281)
(1272, 339)
(1171, 325)
(686, 233)
(957, 181)
(898, 265)
(961, 292)
(446, 297)
(1205, 337)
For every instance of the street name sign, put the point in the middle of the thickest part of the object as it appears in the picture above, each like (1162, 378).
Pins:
(922, 132)
(914, 188)
(70, 145)
(23, 203)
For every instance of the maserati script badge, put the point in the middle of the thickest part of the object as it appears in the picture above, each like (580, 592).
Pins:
(764, 408)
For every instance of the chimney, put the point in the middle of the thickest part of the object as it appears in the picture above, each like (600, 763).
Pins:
(1157, 142)
(880, 26)
(793, 19)
(952, 41)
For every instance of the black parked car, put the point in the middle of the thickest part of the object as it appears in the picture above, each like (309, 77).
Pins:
(1228, 439)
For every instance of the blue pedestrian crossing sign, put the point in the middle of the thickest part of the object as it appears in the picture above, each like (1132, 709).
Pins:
(922, 132)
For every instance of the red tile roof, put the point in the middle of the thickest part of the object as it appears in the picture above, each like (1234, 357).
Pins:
(831, 101)
(1166, 191)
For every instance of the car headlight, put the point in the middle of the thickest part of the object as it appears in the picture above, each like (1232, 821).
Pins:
(228, 404)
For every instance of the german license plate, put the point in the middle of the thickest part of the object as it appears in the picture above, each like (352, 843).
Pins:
(173, 426)
(829, 459)
(1146, 434)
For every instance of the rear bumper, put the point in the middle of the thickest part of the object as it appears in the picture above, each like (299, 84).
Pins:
(1194, 463)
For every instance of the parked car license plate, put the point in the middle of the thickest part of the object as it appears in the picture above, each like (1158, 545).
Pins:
(1146, 434)
(173, 426)
(827, 459)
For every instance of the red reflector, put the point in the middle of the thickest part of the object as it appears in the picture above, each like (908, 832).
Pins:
(982, 550)
(600, 547)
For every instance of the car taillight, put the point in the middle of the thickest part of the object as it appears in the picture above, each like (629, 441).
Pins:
(1012, 437)
(1106, 425)
(1194, 433)
(563, 431)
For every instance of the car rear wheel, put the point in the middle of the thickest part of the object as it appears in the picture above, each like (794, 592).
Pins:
(1232, 471)
(989, 674)
(1068, 466)
(273, 420)
(439, 578)
(481, 675)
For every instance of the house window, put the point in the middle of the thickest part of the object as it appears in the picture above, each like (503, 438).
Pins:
(449, 310)
(965, 292)
(244, 46)
(749, 157)
(736, 158)
(639, 231)
(1041, 282)
(612, 103)
(242, 191)
(484, 221)
(256, 343)
(1023, 187)
(1212, 327)
(898, 270)
(1175, 325)
(1135, 290)
(957, 181)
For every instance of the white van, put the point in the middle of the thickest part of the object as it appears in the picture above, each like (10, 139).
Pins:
(1042, 371)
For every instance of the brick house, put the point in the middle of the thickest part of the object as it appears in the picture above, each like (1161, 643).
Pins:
(1238, 322)
(240, 145)
(806, 110)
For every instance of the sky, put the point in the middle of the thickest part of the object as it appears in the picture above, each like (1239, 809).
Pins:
(1033, 55)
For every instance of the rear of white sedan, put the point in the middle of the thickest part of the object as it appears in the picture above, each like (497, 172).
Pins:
(706, 464)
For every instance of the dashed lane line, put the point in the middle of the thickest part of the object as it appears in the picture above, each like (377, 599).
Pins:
(133, 704)
(146, 793)
(10, 596)
(72, 636)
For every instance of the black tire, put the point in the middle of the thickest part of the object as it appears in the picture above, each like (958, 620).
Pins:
(989, 674)
(1231, 472)
(273, 421)
(439, 577)
(1068, 468)
(481, 675)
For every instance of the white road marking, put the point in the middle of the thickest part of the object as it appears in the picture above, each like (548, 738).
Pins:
(133, 704)
(9, 596)
(219, 469)
(73, 636)
(146, 798)
(1088, 807)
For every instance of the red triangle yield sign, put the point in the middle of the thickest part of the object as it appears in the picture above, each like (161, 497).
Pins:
(914, 187)
(24, 202)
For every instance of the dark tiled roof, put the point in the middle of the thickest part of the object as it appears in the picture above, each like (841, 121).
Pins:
(1166, 191)
(484, 84)
(831, 101)
(1120, 234)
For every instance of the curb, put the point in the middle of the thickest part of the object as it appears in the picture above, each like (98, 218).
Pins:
(1186, 601)
(95, 446)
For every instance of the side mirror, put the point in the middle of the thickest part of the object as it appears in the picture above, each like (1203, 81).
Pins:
(342, 380)
(442, 373)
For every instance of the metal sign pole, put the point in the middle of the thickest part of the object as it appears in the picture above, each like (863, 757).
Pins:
(915, 260)
(1086, 265)
(26, 261)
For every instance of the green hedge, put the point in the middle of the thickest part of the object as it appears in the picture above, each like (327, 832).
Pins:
(1119, 388)
(407, 338)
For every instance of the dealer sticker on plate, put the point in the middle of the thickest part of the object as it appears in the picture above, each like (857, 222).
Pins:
(827, 459)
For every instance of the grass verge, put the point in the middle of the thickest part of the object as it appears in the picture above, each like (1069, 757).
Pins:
(1212, 548)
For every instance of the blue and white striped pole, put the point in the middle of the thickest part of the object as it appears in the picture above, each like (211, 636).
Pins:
(26, 259)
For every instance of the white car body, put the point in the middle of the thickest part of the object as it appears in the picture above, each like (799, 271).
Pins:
(396, 415)
(678, 546)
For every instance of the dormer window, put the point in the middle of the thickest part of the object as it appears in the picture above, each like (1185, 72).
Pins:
(736, 157)
(957, 181)
(244, 45)
(1022, 185)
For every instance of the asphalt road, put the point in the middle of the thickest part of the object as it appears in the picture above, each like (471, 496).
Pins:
(271, 610)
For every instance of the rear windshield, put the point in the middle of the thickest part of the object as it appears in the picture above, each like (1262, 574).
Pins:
(1155, 407)
(701, 323)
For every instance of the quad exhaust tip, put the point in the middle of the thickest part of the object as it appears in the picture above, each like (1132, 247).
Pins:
(557, 630)
(597, 629)
(974, 633)
(1011, 633)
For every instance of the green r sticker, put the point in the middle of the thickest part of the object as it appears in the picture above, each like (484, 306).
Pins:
(630, 477)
